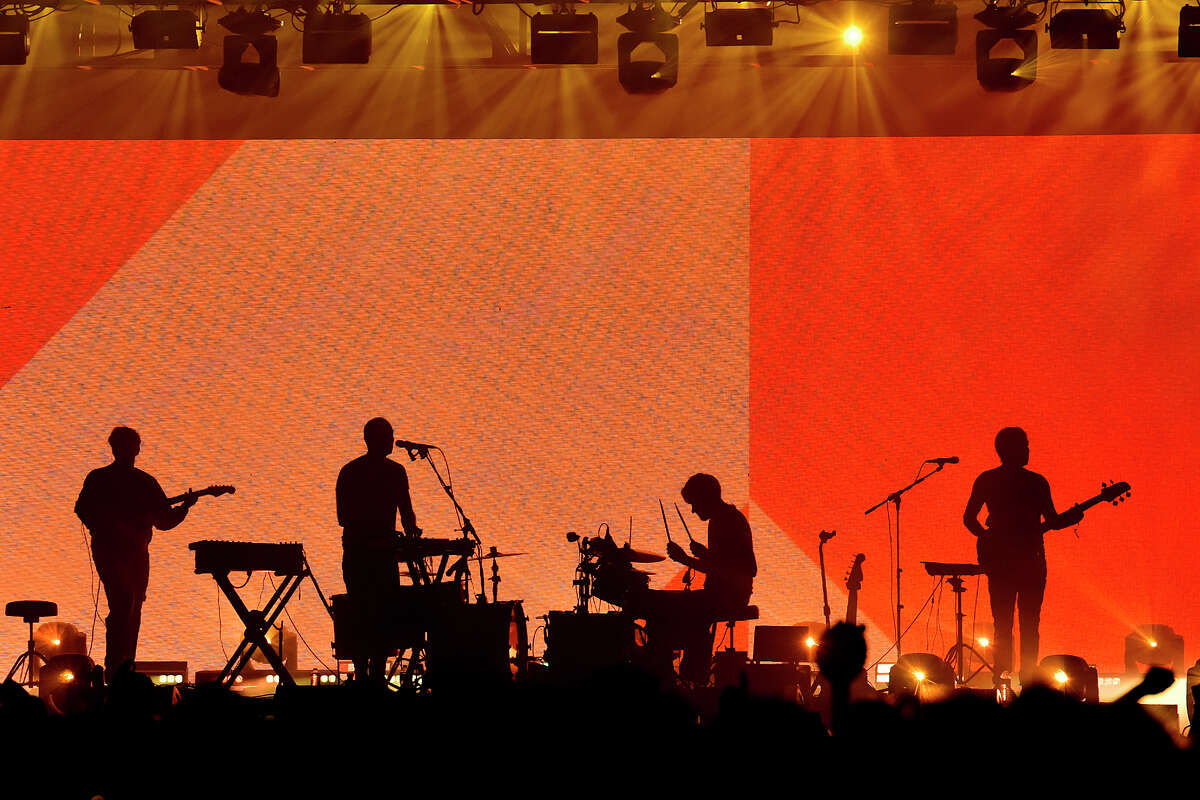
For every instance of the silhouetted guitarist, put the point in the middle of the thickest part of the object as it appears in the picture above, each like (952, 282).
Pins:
(729, 568)
(1010, 546)
(121, 505)
(371, 490)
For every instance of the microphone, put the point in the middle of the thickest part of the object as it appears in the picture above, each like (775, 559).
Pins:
(950, 460)
(415, 446)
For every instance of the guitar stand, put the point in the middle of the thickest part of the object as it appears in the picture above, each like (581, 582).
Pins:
(954, 657)
(258, 623)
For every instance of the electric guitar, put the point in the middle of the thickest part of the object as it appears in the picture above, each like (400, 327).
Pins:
(211, 491)
(991, 549)
(860, 687)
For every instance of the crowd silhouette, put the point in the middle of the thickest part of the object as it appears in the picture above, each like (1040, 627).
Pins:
(619, 727)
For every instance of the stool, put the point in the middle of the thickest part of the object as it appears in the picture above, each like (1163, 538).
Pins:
(31, 611)
(743, 615)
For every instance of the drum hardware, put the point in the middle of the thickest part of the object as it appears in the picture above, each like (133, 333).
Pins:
(494, 554)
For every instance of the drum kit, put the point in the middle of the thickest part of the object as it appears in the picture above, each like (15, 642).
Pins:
(442, 639)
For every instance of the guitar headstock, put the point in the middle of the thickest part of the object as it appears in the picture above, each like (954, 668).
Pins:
(1114, 492)
(217, 490)
(854, 575)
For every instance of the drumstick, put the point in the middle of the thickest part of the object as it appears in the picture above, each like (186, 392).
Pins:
(684, 521)
(666, 527)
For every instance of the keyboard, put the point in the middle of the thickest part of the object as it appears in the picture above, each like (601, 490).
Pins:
(944, 569)
(414, 548)
(216, 557)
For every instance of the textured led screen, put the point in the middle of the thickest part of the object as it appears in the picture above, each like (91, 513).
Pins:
(581, 325)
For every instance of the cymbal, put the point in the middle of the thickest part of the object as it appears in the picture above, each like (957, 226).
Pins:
(638, 556)
(489, 555)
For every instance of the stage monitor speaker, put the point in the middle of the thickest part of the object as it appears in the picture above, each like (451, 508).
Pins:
(163, 673)
(777, 681)
(165, 29)
(738, 27)
(14, 38)
(564, 39)
(781, 643)
(1189, 32)
(923, 29)
(336, 39)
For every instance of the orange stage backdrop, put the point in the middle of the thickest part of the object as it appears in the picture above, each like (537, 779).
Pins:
(583, 324)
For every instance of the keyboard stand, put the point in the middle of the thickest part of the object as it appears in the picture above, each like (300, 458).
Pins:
(258, 623)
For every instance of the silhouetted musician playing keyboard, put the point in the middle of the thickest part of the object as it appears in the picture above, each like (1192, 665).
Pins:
(371, 489)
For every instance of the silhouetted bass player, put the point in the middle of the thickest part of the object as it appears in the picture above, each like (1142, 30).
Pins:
(1011, 549)
(121, 505)
(371, 490)
(729, 567)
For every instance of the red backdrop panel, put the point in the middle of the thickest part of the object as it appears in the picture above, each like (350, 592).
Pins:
(910, 297)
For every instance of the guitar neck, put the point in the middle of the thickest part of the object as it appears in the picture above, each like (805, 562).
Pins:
(852, 607)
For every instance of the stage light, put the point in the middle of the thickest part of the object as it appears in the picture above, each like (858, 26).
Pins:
(920, 673)
(1155, 646)
(14, 38)
(810, 642)
(853, 36)
(1005, 74)
(54, 638)
(1189, 32)
(336, 38)
(63, 683)
(983, 641)
(923, 27)
(1080, 28)
(165, 30)
(564, 39)
(738, 27)
(250, 78)
(647, 24)
(1071, 675)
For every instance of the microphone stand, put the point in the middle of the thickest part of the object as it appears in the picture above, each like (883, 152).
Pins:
(825, 537)
(894, 497)
(467, 528)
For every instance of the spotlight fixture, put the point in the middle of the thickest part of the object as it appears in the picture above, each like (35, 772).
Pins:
(250, 24)
(648, 24)
(250, 78)
(1189, 32)
(1154, 646)
(1084, 28)
(923, 27)
(919, 674)
(336, 38)
(1071, 675)
(738, 27)
(65, 682)
(165, 29)
(1005, 74)
(568, 38)
(14, 38)
(54, 638)
(853, 36)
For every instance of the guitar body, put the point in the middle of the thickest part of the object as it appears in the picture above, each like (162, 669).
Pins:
(998, 552)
